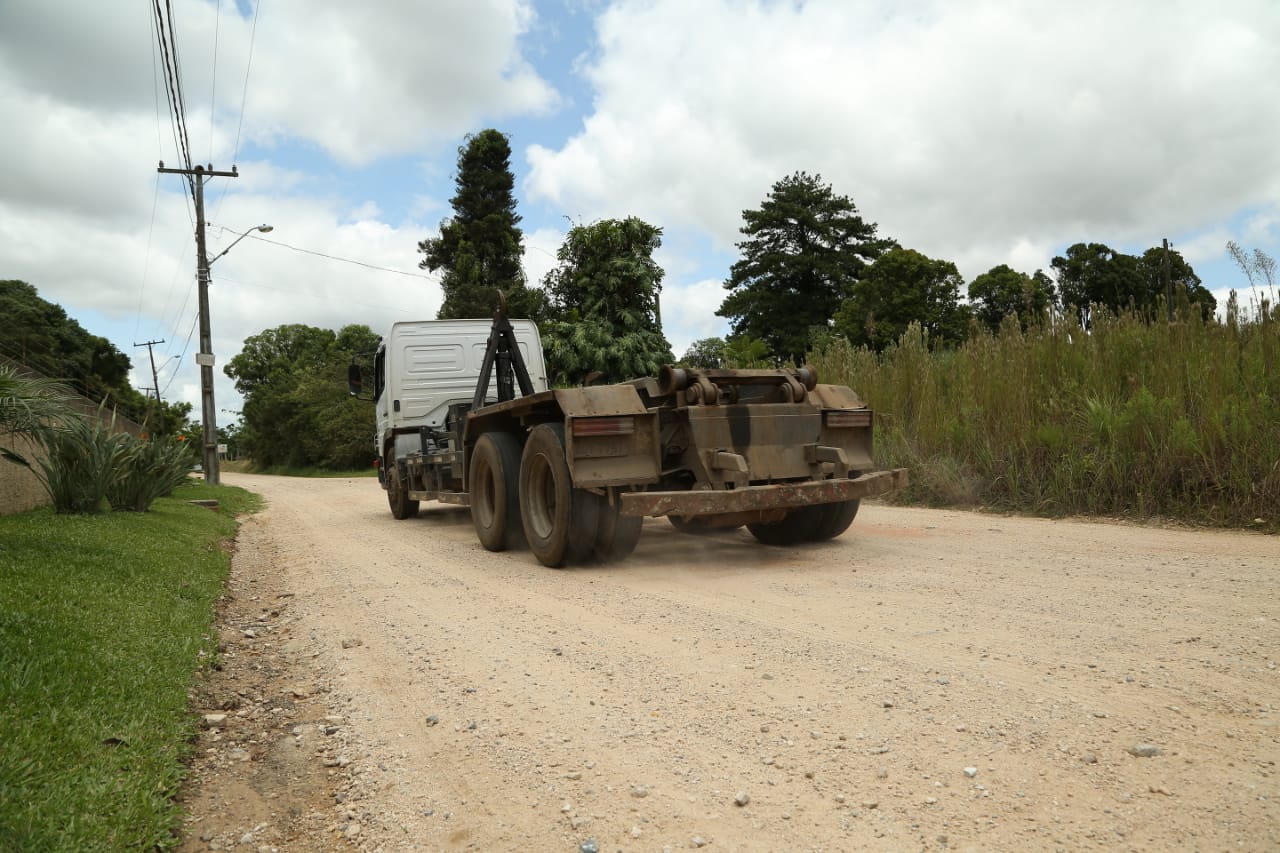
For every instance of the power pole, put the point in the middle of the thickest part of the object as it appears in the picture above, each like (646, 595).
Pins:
(155, 382)
(1168, 281)
(205, 357)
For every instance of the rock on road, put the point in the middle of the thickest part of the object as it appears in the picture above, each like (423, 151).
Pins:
(931, 680)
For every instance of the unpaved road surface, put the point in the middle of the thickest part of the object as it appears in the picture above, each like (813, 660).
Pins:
(928, 681)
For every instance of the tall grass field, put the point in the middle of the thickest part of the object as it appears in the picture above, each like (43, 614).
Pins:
(104, 621)
(1134, 419)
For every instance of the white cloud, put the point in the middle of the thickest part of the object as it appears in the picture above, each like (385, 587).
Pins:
(689, 313)
(386, 79)
(391, 76)
(540, 247)
(969, 131)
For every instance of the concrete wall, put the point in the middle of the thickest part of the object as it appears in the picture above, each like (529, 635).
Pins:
(19, 488)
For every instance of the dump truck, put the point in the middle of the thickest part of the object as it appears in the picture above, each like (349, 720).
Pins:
(465, 416)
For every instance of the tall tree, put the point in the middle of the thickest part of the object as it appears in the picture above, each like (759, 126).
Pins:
(804, 248)
(1001, 291)
(40, 335)
(901, 287)
(604, 297)
(1095, 274)
(704, 354)
(1184, 282)
(296, 408)
(479, 248)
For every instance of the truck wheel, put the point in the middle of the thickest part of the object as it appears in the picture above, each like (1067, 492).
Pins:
(494, 484)
(835, 520)
(560, 522)
(797, 526)
(616, 534)
(398, 494)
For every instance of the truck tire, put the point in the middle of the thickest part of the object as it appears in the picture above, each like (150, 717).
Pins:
(560, 522)
(494, 484)
(835, 520)
(797, 526)
(616, 534)
(398, 493)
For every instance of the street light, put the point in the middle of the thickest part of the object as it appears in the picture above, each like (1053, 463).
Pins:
(204, 358)
(265, 229)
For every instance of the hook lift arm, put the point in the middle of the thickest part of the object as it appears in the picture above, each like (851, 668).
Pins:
(504, 351)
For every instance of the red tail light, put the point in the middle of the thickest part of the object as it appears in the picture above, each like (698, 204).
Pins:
(621, 425)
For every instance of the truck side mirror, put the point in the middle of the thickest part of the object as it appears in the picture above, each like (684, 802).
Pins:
(354, 383)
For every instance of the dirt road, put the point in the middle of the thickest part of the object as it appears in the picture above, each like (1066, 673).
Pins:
(928, 681)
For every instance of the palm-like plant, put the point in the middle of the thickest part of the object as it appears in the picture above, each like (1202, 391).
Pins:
(30, 407)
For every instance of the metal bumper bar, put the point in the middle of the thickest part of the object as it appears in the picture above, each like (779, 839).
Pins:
(750, 498)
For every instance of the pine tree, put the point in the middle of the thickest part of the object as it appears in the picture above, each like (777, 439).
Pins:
(479, 249)
(805, 248)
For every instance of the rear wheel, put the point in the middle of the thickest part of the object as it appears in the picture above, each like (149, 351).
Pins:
(398, 493)
(797, 526)
(494, 484)
(560, 522)
(835, 520)
(616, 534)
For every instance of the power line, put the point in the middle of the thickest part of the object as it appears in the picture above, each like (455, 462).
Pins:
(348, 260)
(167, 41)
(146, 260)
(213, 84)
(244, 96)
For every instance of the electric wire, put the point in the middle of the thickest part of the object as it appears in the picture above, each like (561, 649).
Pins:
(244, 95)
(177, 75)
(183, 355)
(213, 85)
(146, 258)
(173, 90)
(170, 97)
(156, 47)
(346, 260)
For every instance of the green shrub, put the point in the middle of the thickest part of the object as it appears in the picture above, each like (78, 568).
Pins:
(82, 463)
(151, 469)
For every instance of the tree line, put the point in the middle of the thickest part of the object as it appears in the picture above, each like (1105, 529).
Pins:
(811, 269)
(39, 335)
(811, 266)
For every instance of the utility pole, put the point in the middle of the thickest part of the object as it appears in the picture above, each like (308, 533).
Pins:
(205, 357)
(1168, 281)
(155, 383)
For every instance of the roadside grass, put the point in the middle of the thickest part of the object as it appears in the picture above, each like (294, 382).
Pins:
(104, 620)
(1135, 419)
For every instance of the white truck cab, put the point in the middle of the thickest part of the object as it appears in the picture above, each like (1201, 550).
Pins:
(424, 367)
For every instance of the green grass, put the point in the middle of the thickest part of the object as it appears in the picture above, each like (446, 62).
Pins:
(104, 620)
(1132, 419)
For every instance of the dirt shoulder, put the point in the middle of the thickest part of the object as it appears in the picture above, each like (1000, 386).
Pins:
(930, 680)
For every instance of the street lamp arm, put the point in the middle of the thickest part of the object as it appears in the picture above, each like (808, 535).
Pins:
(263, 228)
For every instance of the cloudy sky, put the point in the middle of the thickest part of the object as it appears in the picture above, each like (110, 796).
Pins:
(977, 131)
